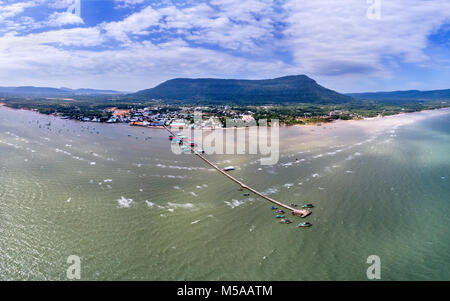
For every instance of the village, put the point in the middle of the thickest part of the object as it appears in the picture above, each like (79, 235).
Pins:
(160, 116)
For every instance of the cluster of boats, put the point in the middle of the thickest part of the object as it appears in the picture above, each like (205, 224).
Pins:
(303, 213)
(185, 145)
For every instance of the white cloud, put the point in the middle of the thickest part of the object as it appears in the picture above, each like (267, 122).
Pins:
(65, 18)
(334, 37)
(128, 3)
(136, 24)
(333, 41)
(12, 10)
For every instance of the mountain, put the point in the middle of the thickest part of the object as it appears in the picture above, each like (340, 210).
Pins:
(288, 89)
(48, 91)
(409, 95)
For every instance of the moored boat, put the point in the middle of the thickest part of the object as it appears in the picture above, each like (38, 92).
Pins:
(305, 224)
(285, 221)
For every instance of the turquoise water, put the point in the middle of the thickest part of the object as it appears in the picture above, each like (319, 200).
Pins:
(131, 209)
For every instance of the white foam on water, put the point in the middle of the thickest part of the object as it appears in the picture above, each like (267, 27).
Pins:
(186, 206)
(124, 202)
(315, 175)
(349, 171)
(92, 163)
(270, 191)
(194, 194)
(150, 204)
(288, 185)
(107, 180)
(234, 203)
(68, 200)
(194, 222)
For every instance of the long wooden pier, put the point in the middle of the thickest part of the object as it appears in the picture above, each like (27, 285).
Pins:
(302, 212)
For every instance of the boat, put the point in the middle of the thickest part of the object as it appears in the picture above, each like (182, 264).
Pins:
(279, 211)
(285, 221)
(228, 168)
(308, 206)
(171, 137)
(201, 151)
(305, 224)
(279, 216)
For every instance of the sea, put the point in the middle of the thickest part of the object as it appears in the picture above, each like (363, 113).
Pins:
(121, 201)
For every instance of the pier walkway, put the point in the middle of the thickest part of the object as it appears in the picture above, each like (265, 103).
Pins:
(302, 212)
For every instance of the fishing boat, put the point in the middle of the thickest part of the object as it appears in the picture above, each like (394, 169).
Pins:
(228, 168)
(279, 216)
(308, 206)
(305, 224)
(285, 221)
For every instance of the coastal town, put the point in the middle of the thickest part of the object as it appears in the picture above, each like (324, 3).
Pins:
(211, 117)
(157, 113)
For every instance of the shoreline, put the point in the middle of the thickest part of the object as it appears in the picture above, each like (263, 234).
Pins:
(311, 125)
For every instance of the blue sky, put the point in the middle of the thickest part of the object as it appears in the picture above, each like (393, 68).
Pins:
(349, 46)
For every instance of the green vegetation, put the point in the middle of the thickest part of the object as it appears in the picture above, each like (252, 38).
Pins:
(298, 89)
(287, 114)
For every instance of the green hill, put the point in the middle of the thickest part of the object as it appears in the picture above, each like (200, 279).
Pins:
(289, 89)
(404, 96)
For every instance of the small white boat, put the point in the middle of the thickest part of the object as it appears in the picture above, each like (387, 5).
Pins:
(228, 168)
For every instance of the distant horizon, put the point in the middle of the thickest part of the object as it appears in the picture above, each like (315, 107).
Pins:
(150, 87)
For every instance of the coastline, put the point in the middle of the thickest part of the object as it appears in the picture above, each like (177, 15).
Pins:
(304, 126)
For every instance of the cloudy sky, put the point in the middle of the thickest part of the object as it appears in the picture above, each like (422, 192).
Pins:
(346, 45)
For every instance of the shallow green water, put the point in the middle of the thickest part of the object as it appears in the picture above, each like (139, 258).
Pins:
(131, 209)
